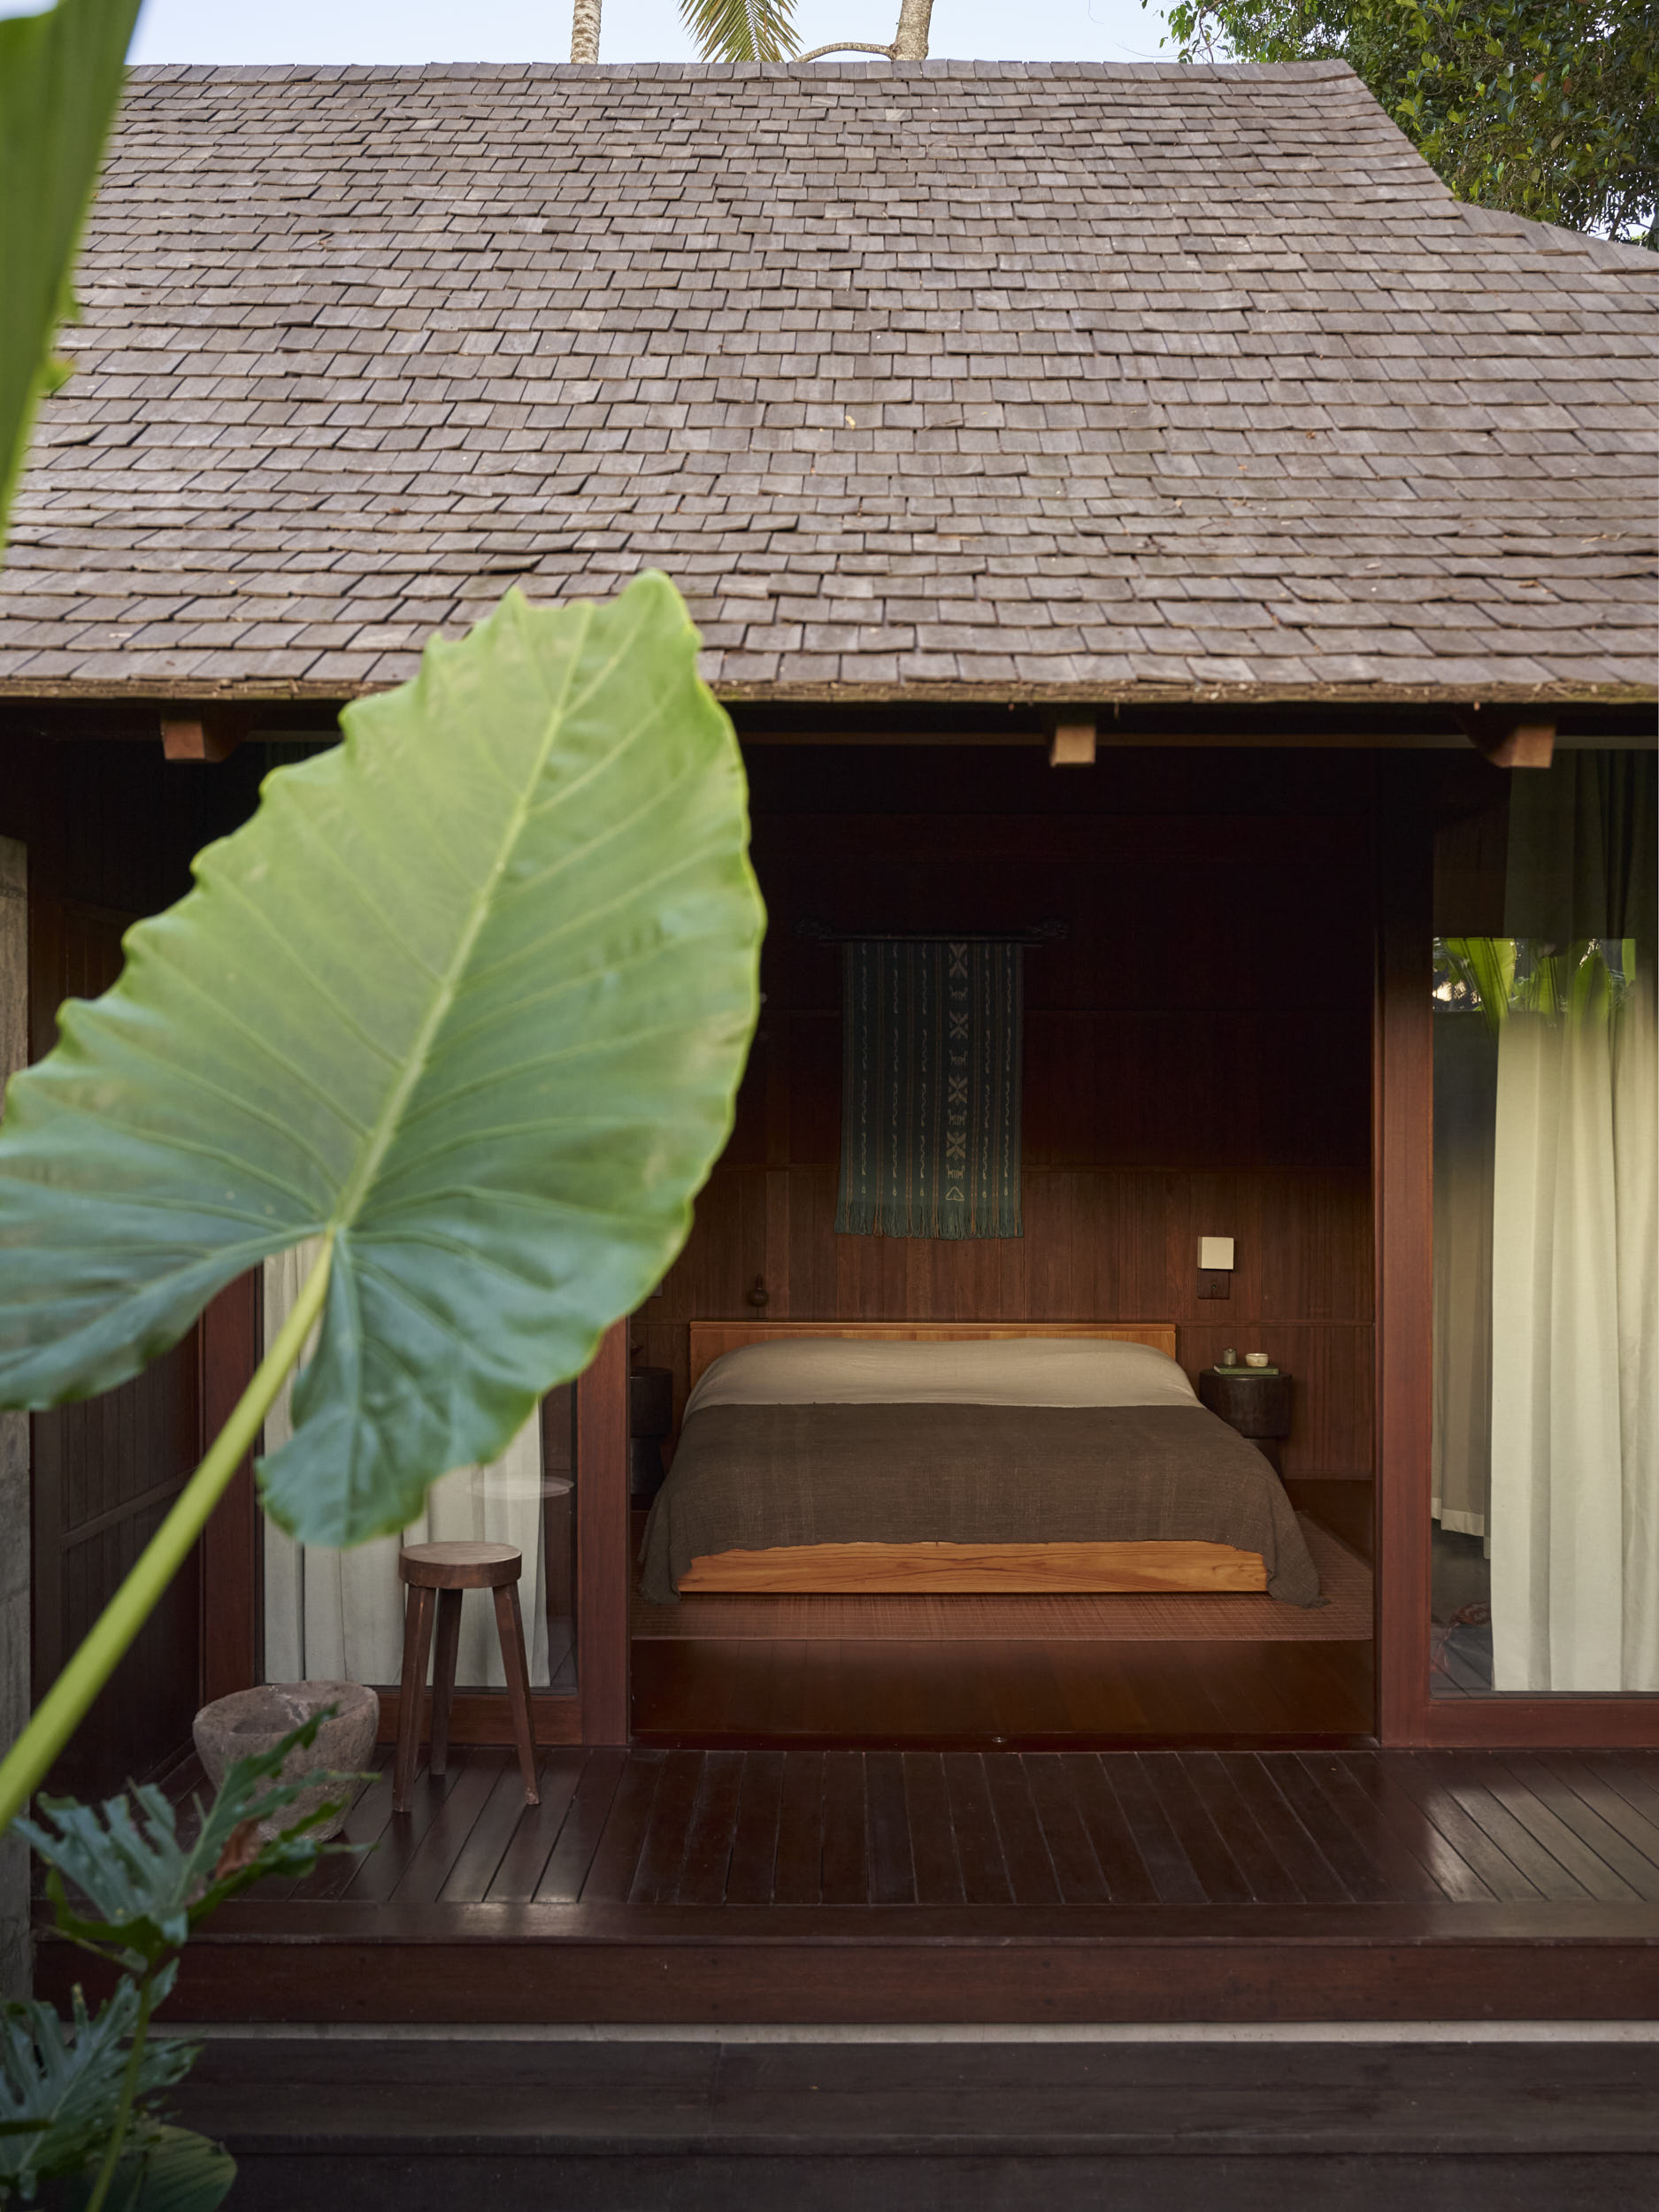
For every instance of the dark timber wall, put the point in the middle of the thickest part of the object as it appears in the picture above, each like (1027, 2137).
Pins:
(110, 829)
(1197, 1055)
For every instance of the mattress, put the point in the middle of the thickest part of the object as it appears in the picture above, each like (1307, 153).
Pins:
(819, 1443)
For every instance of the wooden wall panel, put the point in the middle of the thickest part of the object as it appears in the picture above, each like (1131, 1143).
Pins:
(1197, 1059)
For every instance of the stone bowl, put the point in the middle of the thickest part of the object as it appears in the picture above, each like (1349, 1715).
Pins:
(251, 1721)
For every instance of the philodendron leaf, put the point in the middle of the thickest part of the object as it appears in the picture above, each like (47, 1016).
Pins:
(60, 77)
(59, 2085)
(169, 2170)
(472, 993)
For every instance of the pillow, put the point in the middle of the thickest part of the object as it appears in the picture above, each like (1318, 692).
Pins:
(1033, 1371)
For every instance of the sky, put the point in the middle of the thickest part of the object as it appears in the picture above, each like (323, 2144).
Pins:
(410, 31)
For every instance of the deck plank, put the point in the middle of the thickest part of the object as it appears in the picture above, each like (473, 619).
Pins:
(1469, 1778)
(1118, 1856)
(565, 1871)
(845, 1876)
(1347, 1783)
(429, 1864)
(887, 1830)
(932, 1837)
(749, 1872)
(1202, 1842)
(1030, 1875)
(798, 1876)
(1070, 1852)
(661, 1850)
(1423, 1781)
(1238, 1818)
(707, 1859)
(1352, 1850)
(1173, 1875)
(978, 1848)
(537, 1829)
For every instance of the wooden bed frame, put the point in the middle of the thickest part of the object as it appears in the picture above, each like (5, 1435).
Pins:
(965, 1569)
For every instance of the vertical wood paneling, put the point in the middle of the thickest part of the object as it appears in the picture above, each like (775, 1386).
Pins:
(601, 1541)
(1197, 1061)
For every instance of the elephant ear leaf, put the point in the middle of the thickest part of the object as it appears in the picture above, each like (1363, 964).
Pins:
(470, 995)
(61, 78)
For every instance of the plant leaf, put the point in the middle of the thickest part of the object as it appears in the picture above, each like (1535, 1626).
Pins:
(470, 993)
(145, 1888)
(172, 2170)
(60, 77)
(730, 30)
(59, 2088)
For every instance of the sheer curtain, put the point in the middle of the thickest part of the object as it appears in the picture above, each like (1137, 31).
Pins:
(1575, 1251)
(338, 1616)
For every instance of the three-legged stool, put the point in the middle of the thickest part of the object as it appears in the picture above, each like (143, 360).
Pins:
(437, 1574)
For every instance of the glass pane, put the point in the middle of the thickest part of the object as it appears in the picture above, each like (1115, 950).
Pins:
(339, 1615)
(1545, 1424)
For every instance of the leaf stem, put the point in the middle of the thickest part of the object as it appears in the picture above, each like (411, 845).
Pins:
(124, 2109)
(65, 1705)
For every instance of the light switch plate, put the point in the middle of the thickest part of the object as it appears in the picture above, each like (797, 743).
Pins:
(1215, 1252)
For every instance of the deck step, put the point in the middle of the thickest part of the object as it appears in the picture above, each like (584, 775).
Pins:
(878, 2126)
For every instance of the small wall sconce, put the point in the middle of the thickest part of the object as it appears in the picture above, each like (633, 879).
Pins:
(1215, 1267)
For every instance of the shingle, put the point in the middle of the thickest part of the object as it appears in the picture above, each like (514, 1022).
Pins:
(1074, 376)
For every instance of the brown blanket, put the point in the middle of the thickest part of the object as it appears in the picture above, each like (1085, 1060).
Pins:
(748, 1478)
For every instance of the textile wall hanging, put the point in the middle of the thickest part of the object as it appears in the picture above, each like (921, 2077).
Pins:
(930, 1088)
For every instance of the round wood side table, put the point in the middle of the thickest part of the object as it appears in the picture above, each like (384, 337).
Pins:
(437, 1575)
(1259, 1406)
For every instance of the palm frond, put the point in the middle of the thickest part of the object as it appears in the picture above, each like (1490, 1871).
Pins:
(741, 30)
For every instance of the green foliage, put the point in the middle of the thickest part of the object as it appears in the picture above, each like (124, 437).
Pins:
(69, 2100)
(58, 2091)
(60, 77)
(145, 1888)
(741, 30)
(469, 997)
(1548, 108)
(170, 2170)
(1500, 976)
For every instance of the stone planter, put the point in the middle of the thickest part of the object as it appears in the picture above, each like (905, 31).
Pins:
(251, 1721)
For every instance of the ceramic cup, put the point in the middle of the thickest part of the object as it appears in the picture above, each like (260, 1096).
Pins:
(1256, 1359)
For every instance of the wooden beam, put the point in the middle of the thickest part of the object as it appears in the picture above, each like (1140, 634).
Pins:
(197, 741)
(1507, 743)
(1071, 745)
(601, 1541)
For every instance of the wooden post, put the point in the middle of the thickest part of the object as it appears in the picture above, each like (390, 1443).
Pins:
(231, 1656)
(601, 1541)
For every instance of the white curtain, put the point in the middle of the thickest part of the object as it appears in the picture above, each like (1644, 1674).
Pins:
(338, 1616)
(1575, 1260)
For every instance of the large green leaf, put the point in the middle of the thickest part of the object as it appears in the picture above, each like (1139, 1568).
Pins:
(60, 77)
(472, 993)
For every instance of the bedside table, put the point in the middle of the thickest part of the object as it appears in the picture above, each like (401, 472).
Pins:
(1259, 1406)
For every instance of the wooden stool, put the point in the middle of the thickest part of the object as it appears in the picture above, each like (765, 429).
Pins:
(437, 1574)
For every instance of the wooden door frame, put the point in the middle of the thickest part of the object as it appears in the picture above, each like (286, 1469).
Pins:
(232, 1642)
(1403, 1199)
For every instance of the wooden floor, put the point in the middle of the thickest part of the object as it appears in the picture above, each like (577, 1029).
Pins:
(990, 1696)
(915, 1886)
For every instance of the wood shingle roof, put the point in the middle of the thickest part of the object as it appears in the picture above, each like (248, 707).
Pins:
(966, 379)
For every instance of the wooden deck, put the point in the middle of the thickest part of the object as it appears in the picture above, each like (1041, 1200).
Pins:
(851, 1886)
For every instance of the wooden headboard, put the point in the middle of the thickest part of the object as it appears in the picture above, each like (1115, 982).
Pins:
(711, 1339)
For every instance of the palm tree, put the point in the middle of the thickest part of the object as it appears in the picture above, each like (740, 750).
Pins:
(758, 30)
(585, 30)
(763, 30)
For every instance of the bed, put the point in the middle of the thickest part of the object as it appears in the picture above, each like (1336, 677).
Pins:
(947, 1457)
